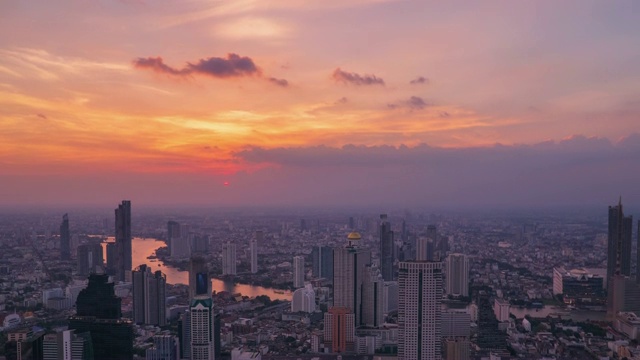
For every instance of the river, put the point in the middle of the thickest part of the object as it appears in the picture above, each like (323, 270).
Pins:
(145, 247)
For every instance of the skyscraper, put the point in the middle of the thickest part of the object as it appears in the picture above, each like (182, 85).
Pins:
(202, 328)
(372, 297)
(619, 242)
(67, 345)
(112, 258)
(253, 249)
(386, 249)
(229, 258)
(339, 329)
(89, 258)
(199, 280)
(298, 271)
(304, 299)
(98, 312)
(419, 317)
(123, 241)
(173, 234)
(184, 330)
(149, 296)
(165, 347)
(349, 264)
(322, 257)
(457, 275)
(65, 238)
(425, 249)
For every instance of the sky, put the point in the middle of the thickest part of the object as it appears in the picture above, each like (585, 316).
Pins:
(320, 102)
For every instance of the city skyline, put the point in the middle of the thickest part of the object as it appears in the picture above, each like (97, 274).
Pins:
(196, 105)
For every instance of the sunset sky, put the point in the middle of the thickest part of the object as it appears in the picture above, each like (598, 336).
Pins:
(328, 102)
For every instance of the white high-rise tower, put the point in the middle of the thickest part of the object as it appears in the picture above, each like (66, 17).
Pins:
(202, 328)
(419, 317)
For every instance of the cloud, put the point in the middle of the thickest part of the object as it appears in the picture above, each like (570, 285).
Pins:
(355, 78)
(42, 116)
(342, 100)
(574, 171)
(419, 80)
(279, 82)
(233, 65)
(413, 103)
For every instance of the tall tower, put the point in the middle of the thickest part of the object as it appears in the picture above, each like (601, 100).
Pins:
(372, 297)
(123, 240)
(322, 257)
(229, 258)
(65, 238)
(253, 249)
(202, 328)
(619, 243)
(173, 234)
(419, 317)
(149, 294)
(349, 264)
(425, 249)
(89, 258)
(339, 329)
(298, 271)
(199, 280)
(386, 248)
(457, 275)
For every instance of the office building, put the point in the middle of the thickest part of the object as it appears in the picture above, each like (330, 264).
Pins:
(322, 258)
(619, 242)
(199, 244)
(199, 280)
(578, 286)
(178, 240)
(66, 345)
(372, 298)
(123, 241)
(457, 275)
(149, 296)
(349, 264)
(339, 329)
(501, 309)
(304, 300)
(387, 249)
(298, 271)
(424, 249)
(98, 312)
(229, 258)
(457, 349)
(253, 250)
(173, 233)
(165, 347)
(89, 259)
(202, 328)
(455, 324)
(65, 238)
(184, 330)
(419, 314)
(112, 258)
(623, 296)
(390, 297)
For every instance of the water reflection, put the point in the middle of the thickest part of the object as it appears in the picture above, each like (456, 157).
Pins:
(142, 248)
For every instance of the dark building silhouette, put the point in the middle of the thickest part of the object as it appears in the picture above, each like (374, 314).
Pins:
(89, 259)
(98, 312)
(490, 337)
(112, 258)
(619, 243)
(149, 296)
(173, 233)
(217, 328)
(387, 249)
(65, 238)
(123, 240)
(199, 280)
(322, 260)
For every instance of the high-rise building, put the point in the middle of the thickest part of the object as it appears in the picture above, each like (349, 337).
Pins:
(457, 348)
(66, 345)
(386, 249)
(457, 275)
(253, 250)
(339, 329)
(165, 347)
(322, 258)
(304, 300)
(419, 317)
(173, 234)
(184, 330)
(123, 241)
(638, 256)
(202, 328)
(298, 271)
(372, 298)
(424, 249)
(65, 238)
(455, 324)
(89, 259)
(349, 263)
(199, 244)
(98, 312)
(112, 258)
(149, 296)
(199, 280)
(619, 242)
(229, 258)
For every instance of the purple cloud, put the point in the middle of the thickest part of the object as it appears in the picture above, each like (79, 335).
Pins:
(419, 80)
(413, 103)
(356, 79)
(279, 82)
(233, 65)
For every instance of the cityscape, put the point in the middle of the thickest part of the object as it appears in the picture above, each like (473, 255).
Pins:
(319, 180)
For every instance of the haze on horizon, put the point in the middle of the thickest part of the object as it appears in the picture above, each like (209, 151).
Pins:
(320, 103)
